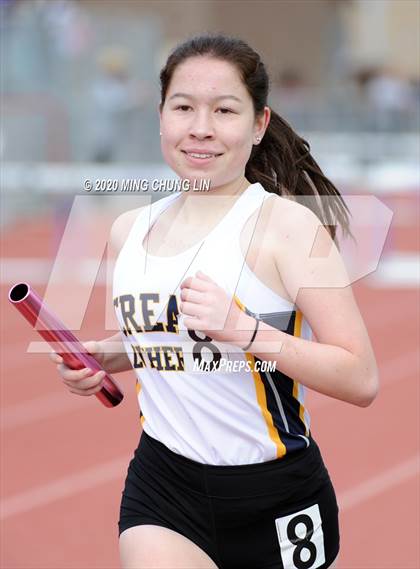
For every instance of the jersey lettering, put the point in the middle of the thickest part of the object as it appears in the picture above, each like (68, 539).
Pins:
(162, 358)
(129, 314)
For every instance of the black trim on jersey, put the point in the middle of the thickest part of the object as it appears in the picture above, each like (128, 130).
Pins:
(285, 322)
(284, 385)
(290, 433)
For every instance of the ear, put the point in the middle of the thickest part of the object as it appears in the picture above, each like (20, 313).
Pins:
(261, 123)
(160, 117)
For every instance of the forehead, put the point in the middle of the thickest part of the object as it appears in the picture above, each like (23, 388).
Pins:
(206, 76)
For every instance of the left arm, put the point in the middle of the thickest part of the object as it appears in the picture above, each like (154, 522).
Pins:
(342, 364)
(347, 373)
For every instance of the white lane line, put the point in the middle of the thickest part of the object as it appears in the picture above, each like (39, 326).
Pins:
(397, 270)
(37, 271)
(42, 407)
(115, 469)
(379, 484)
(30, 269)
(64, 487)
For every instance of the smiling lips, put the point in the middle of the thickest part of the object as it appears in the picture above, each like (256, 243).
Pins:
(200, 156)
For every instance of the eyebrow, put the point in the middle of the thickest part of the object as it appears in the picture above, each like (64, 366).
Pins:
(218, 98)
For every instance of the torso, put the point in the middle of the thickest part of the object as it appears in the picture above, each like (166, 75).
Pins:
(227, 420)
(168, 238)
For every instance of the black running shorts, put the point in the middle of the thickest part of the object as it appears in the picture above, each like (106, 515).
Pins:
(271, 515)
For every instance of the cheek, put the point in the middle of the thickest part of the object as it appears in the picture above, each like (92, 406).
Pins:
(241, 145)
(165, 151)
(173, 129)
(170, 139)
(239, 135)
(169, 153)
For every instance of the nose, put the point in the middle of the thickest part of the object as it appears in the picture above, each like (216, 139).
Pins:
(201, 125)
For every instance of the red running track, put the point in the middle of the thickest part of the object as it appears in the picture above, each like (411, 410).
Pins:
(64, 457)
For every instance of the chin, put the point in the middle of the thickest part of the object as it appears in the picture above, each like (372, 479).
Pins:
(198, 175)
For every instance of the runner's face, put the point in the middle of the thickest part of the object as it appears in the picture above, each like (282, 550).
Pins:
(208, 112)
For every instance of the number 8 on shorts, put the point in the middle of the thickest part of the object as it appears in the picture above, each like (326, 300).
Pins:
(301, 539)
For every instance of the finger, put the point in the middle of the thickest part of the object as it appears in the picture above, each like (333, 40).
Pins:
(55, 358)
(193, 324)
(92, 346)
(88, 383)
(74, 374)
(203, 276)
(87, 392)
(200, 285)
(186, 283)
(192, 309)
(190, 295)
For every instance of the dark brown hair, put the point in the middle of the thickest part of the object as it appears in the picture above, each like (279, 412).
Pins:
(282, 162)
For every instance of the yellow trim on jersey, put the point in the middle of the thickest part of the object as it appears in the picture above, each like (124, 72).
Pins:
(262, 402)
(262, 399)
(239, 303)
(298, 332)
(138, 389)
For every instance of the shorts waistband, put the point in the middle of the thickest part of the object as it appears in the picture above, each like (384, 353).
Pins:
(274, 476)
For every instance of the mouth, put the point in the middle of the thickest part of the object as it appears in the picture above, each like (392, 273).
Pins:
(200, 156)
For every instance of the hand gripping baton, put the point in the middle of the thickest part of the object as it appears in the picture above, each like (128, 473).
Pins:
(64, 342)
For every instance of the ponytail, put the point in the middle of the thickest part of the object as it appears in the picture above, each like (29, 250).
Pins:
(283, 164)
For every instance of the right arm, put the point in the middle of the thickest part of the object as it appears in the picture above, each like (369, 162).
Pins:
(109, 352)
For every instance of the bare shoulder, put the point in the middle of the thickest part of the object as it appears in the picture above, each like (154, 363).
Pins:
(284, 220)
(303, 250)
(287, 213)
(122, 226)
(301, 232)
(306, 255)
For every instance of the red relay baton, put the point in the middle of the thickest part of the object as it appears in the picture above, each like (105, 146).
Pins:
(74, 355)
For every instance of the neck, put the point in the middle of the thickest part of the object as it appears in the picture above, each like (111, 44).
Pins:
(195, 206)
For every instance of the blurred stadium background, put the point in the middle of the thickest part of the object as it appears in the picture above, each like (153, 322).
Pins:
(79, 96)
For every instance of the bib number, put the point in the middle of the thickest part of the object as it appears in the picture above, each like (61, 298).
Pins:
(200, 344)
(301, 539)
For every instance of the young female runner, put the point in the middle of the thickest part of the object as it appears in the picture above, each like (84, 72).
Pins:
(208, 287)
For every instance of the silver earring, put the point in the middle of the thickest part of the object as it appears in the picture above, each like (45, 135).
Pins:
(258, 139)
(160, 134)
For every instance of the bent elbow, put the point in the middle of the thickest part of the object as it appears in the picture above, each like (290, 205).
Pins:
(370, 392)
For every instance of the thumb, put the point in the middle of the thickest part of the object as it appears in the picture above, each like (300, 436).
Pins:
(92, 346)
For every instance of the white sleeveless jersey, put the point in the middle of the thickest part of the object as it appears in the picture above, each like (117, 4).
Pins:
(225, 416)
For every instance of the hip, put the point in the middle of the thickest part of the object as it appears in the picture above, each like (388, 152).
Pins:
(243, 516)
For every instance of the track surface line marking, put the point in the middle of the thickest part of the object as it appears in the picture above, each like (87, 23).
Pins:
(64, 487)
(43, 407)
(112, 470)
(379, 484)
